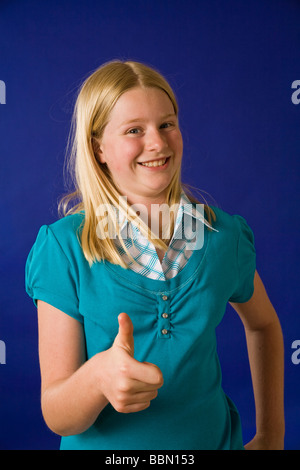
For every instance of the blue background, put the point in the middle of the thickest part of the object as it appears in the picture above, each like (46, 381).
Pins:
(231, 64)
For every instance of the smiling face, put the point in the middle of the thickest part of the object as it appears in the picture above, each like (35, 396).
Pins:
(142, 145)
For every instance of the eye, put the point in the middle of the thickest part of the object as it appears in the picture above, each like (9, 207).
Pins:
(165, 125)
(134, 130)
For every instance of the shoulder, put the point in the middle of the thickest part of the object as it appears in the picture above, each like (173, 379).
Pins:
(222, 219)
(231, 226)
(64, 233)
(51, 272)
(67, 225)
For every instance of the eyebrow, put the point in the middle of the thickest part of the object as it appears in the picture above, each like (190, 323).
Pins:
(141, 119)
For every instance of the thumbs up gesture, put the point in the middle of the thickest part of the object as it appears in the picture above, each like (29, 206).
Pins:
(129, 385)
(124, 338)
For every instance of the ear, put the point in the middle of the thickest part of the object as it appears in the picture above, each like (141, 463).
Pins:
(97, 150)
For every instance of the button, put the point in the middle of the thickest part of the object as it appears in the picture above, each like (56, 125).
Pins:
(165, 315)
(164, 331)
(164, 297)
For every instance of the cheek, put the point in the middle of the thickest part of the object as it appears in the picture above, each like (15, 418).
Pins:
(121, 156)
(130, 151)
(177, 143)
(121, 162)
(115, 157)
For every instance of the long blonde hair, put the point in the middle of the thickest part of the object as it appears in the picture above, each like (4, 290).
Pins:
(92, 181)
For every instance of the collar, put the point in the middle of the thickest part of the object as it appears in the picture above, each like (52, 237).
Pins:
(185, 207)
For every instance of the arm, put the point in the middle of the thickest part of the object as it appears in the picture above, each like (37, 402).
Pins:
(266, 357)
(70, 402)
(75, 390)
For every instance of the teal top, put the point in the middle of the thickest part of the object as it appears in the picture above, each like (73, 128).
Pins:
(191, 410)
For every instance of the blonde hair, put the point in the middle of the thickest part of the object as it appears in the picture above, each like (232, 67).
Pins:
(93, 183)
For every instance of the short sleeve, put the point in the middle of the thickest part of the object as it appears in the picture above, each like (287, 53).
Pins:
(49, 275)
(246, 262)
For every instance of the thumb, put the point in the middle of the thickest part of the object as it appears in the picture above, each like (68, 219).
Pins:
(124, 338)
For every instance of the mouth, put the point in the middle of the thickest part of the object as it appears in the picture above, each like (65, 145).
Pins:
(155, 163)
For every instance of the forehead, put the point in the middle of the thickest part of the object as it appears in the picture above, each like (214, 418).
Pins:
(139, 103)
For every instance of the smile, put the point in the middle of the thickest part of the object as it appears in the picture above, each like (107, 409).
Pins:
(156, 162)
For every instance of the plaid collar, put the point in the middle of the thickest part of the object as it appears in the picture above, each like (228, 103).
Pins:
(184, 207)
(143, 251)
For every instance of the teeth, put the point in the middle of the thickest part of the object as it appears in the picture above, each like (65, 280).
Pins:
(156, 163)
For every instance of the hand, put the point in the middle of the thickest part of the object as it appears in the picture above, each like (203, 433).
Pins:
(129, 385)
(263, 442)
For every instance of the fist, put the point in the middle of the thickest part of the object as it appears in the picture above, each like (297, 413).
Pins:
(129, 385)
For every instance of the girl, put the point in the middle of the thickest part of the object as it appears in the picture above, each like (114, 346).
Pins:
(127, 316)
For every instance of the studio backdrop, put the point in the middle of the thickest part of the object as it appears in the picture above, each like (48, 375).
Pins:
(235, 68)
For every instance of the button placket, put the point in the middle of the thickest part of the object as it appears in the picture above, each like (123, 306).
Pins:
(164, 326)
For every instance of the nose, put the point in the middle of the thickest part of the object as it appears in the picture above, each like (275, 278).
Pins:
(155, 141)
